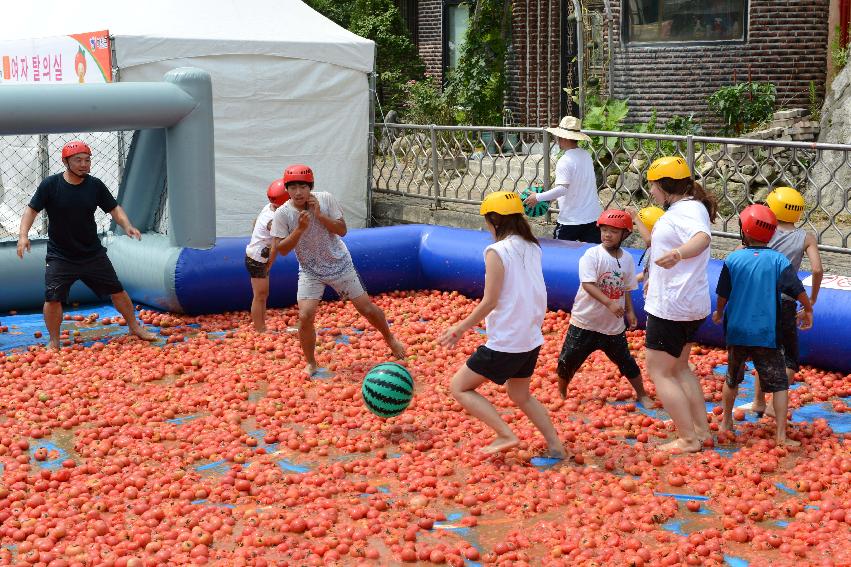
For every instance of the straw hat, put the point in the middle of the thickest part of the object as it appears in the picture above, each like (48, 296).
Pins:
(569, 128)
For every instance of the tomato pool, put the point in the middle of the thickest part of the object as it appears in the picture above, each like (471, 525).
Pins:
(213, 447)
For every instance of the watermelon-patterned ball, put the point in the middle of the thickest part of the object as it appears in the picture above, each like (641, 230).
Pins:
(387, 389)
(540, 208)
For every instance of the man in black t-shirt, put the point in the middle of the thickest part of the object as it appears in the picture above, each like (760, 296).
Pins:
(74, 250)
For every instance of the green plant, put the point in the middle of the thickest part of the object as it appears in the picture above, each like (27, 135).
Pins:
(839, 52)
(426, 104)
(683, 126)
(605, 114)
(743, 106)
(815, 103)
(397, 60)
(478, 82)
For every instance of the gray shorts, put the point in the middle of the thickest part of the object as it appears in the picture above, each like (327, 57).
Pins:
(347, 286)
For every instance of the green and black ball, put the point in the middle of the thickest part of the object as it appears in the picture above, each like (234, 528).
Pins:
(540, 208)
(387, 389)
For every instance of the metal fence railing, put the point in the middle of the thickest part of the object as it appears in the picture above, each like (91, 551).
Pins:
(26, 160)
(461, 164)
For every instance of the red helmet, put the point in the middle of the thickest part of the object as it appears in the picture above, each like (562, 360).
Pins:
(277, 193)
(758, 223)
(616, 218)
(298, 173)
(75, 147)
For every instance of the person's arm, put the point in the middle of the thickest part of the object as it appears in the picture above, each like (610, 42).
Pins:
(333, 225)
(120, 218)
(811, 248)
(494, 275)
(695, 245)
(551, 195)
(805, 317)
(792, 286)
(630, 312)
(643, 231)
(722, 290)
(594, 291)
(27, 220)
(273, 253)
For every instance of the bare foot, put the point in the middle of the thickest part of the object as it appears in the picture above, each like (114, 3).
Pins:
(501, 444)
(396, 347)
(682, 446)
(787, 442)
(646, 401)
(769, 410)
(555, 452)
(727, 425)
(758, 409)
(53, 345)
(311, 369)
(143, 334)
(562, 387)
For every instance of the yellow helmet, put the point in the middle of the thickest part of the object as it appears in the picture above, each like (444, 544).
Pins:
(649, 215)
(786, 204)
(674, 167)
(503, 203)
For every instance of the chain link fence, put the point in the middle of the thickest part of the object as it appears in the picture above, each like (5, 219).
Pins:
(461, 164)
(26, 160)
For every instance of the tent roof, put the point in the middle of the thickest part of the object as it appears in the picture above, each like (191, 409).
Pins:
(157, 30)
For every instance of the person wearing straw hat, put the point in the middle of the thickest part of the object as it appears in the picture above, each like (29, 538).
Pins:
(575, 186)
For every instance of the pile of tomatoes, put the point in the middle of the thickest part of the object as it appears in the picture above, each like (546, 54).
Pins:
(215, 448)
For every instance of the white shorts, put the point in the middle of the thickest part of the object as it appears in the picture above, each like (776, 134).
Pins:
(347, 286)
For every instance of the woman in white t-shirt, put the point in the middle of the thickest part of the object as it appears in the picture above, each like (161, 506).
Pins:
(513, 306)
(678, 295)
(575, 186)
(260, 253)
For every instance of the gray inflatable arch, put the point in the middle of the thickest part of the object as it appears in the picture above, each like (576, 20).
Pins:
(173, 142)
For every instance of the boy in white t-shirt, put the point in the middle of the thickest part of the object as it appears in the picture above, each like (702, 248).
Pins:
(312, 224)
(260, 253)
(607, 275)
(575, 186)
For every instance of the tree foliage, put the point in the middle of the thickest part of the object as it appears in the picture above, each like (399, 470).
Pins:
(397, 60)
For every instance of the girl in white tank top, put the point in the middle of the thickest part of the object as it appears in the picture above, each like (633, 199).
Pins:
(513, 306)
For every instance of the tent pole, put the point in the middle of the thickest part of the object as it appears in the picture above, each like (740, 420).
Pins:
(370, 149)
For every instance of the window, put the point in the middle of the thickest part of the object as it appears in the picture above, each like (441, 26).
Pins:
(456, 20)
(664, 21)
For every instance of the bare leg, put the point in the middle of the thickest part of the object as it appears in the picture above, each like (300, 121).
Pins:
(780, 401)
(518, 391)
(122, 303)
(376, 318)
(307, 332)
(758, 405)
(638, 385)
(694, 393)
(728, 397)
(463, 387)
(260, 287)
(662, 369)
(53, 321)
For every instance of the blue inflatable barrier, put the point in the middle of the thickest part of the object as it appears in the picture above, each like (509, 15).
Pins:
(419, 257)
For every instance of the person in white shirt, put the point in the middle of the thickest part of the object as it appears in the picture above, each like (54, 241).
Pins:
(575, 186)
(513, 306)
(260, 253)
(607, 275)
(312, 224)
(678, 295)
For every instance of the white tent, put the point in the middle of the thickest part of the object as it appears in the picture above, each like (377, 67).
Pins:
(289, 86)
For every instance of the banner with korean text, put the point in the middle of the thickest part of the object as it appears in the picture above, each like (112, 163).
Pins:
(77, 58)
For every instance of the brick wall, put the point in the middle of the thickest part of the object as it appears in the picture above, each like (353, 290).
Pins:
(534, 65)
(786, 45)
(430, 36)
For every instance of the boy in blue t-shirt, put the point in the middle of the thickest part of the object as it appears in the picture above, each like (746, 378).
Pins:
(750, 287)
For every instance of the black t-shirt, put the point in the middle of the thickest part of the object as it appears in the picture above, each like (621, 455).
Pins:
(72, 232)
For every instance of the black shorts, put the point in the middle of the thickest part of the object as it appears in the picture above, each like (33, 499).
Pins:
(670, 336)
(498, 367)
(789, 333)
(97, 273)
(768, 362)
(580, 343)
(588, 232)
(257, 270)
